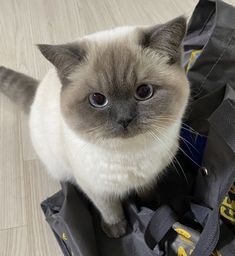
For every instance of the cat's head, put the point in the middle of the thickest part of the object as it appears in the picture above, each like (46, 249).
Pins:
(123, 82)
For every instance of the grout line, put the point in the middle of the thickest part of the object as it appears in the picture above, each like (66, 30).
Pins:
(16, 227)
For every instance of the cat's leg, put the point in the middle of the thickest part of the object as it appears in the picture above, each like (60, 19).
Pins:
(113, 221)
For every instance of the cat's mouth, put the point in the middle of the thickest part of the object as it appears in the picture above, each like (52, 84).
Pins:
(125, 133)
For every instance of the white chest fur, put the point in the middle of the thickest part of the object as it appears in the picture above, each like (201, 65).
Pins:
(119, 166)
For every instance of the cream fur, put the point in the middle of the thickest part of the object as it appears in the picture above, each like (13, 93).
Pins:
(120, 166)
(67, 156)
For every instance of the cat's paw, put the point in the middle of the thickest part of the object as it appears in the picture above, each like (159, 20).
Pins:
(115, 230)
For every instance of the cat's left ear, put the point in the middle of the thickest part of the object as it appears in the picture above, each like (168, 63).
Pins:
(166, 38)
(64, 57)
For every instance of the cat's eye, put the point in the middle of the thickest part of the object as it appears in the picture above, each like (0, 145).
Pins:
(97, 100)
(144, 92)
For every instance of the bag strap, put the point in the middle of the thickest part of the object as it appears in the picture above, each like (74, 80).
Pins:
(159, 225)
(211, 232)
(164, 218)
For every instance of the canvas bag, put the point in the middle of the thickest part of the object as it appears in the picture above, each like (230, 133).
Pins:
(196, 207)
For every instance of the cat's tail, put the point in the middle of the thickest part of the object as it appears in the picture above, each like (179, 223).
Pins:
(18, 87)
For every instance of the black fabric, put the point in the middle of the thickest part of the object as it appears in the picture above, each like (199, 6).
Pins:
(193, 200)
(163, 219)
(208, 72)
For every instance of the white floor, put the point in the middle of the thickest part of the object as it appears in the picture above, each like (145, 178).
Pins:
(23, 23)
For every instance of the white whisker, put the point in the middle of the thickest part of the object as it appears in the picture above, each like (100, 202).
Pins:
(165, 135)
(169, 152)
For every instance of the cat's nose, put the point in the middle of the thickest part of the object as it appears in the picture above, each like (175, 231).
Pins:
(125, 121)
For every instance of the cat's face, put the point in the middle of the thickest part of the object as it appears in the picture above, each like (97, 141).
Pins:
(122, 83)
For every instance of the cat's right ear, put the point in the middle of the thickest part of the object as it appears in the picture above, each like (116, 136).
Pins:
(64, 57)
(166, 38)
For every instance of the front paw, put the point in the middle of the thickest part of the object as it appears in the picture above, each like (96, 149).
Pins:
(115, 230)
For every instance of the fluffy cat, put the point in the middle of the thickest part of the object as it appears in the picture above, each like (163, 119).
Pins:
(107, 116)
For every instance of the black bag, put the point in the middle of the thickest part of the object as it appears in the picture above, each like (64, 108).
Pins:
(192, 214)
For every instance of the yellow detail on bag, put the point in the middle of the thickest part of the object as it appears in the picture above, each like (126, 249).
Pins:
(193, 57)
(181, 251)
(227, 208)
(186, 240)
(64, 237)
(227, 213)
(228, 203)
(183, 232)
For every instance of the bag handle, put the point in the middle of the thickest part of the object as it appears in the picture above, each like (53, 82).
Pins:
(159, 225)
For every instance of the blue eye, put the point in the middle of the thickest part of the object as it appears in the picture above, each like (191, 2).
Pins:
(98, 100)
(144, 92)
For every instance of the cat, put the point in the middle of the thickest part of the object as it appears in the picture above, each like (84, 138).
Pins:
(107, 116)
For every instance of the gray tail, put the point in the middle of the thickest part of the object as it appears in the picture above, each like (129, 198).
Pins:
(18, 87)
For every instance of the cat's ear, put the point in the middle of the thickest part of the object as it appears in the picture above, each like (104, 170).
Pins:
(166, 38)
(64, 57)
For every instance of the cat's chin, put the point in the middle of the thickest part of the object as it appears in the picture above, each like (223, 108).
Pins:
(125, 134)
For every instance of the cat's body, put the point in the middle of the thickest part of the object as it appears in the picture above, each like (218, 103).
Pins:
(109, 170)
(110, 150)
